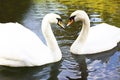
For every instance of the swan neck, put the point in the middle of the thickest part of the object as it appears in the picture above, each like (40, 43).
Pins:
(49, 37)
(85, 30)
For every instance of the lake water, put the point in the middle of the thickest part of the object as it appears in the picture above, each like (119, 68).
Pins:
(103, 66)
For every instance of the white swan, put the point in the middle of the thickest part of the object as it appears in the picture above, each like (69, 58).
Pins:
(94, 39)
(21, 47)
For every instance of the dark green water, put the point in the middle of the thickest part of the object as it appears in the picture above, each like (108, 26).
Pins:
(103, 66)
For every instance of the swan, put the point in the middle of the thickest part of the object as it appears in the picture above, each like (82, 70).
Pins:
(92, 40)
(20, 47)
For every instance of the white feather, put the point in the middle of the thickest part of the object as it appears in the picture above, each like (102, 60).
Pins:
(21, 47)
(99, 38)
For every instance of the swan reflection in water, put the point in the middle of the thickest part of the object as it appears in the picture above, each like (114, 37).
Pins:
(93, 67)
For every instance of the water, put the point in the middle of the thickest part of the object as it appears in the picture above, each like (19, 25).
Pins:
(103, 66)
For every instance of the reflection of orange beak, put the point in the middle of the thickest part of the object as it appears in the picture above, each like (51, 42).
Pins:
(70, 22)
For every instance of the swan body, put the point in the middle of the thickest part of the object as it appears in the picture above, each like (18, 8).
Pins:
(96, 39)
(21, 47)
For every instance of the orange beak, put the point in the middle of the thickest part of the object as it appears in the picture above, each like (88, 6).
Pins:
(70, 22)
(60, 24)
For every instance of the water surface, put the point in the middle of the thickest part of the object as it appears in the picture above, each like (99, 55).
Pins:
(103, 66)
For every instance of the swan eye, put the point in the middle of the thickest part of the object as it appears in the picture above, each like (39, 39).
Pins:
(72, 18)
(59, 19)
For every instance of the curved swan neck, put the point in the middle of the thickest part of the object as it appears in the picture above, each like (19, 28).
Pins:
(81, 39)
(85, 30)
(49, 37)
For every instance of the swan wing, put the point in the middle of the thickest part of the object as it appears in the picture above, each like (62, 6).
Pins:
(21, 47)
(102, 37)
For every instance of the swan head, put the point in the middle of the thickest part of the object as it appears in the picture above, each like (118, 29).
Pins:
(78, 15)
(54, 18)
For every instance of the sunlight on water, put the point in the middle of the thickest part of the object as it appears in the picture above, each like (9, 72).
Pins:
(103, 66)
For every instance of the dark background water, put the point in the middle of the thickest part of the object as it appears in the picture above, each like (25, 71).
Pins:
(103, 66)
